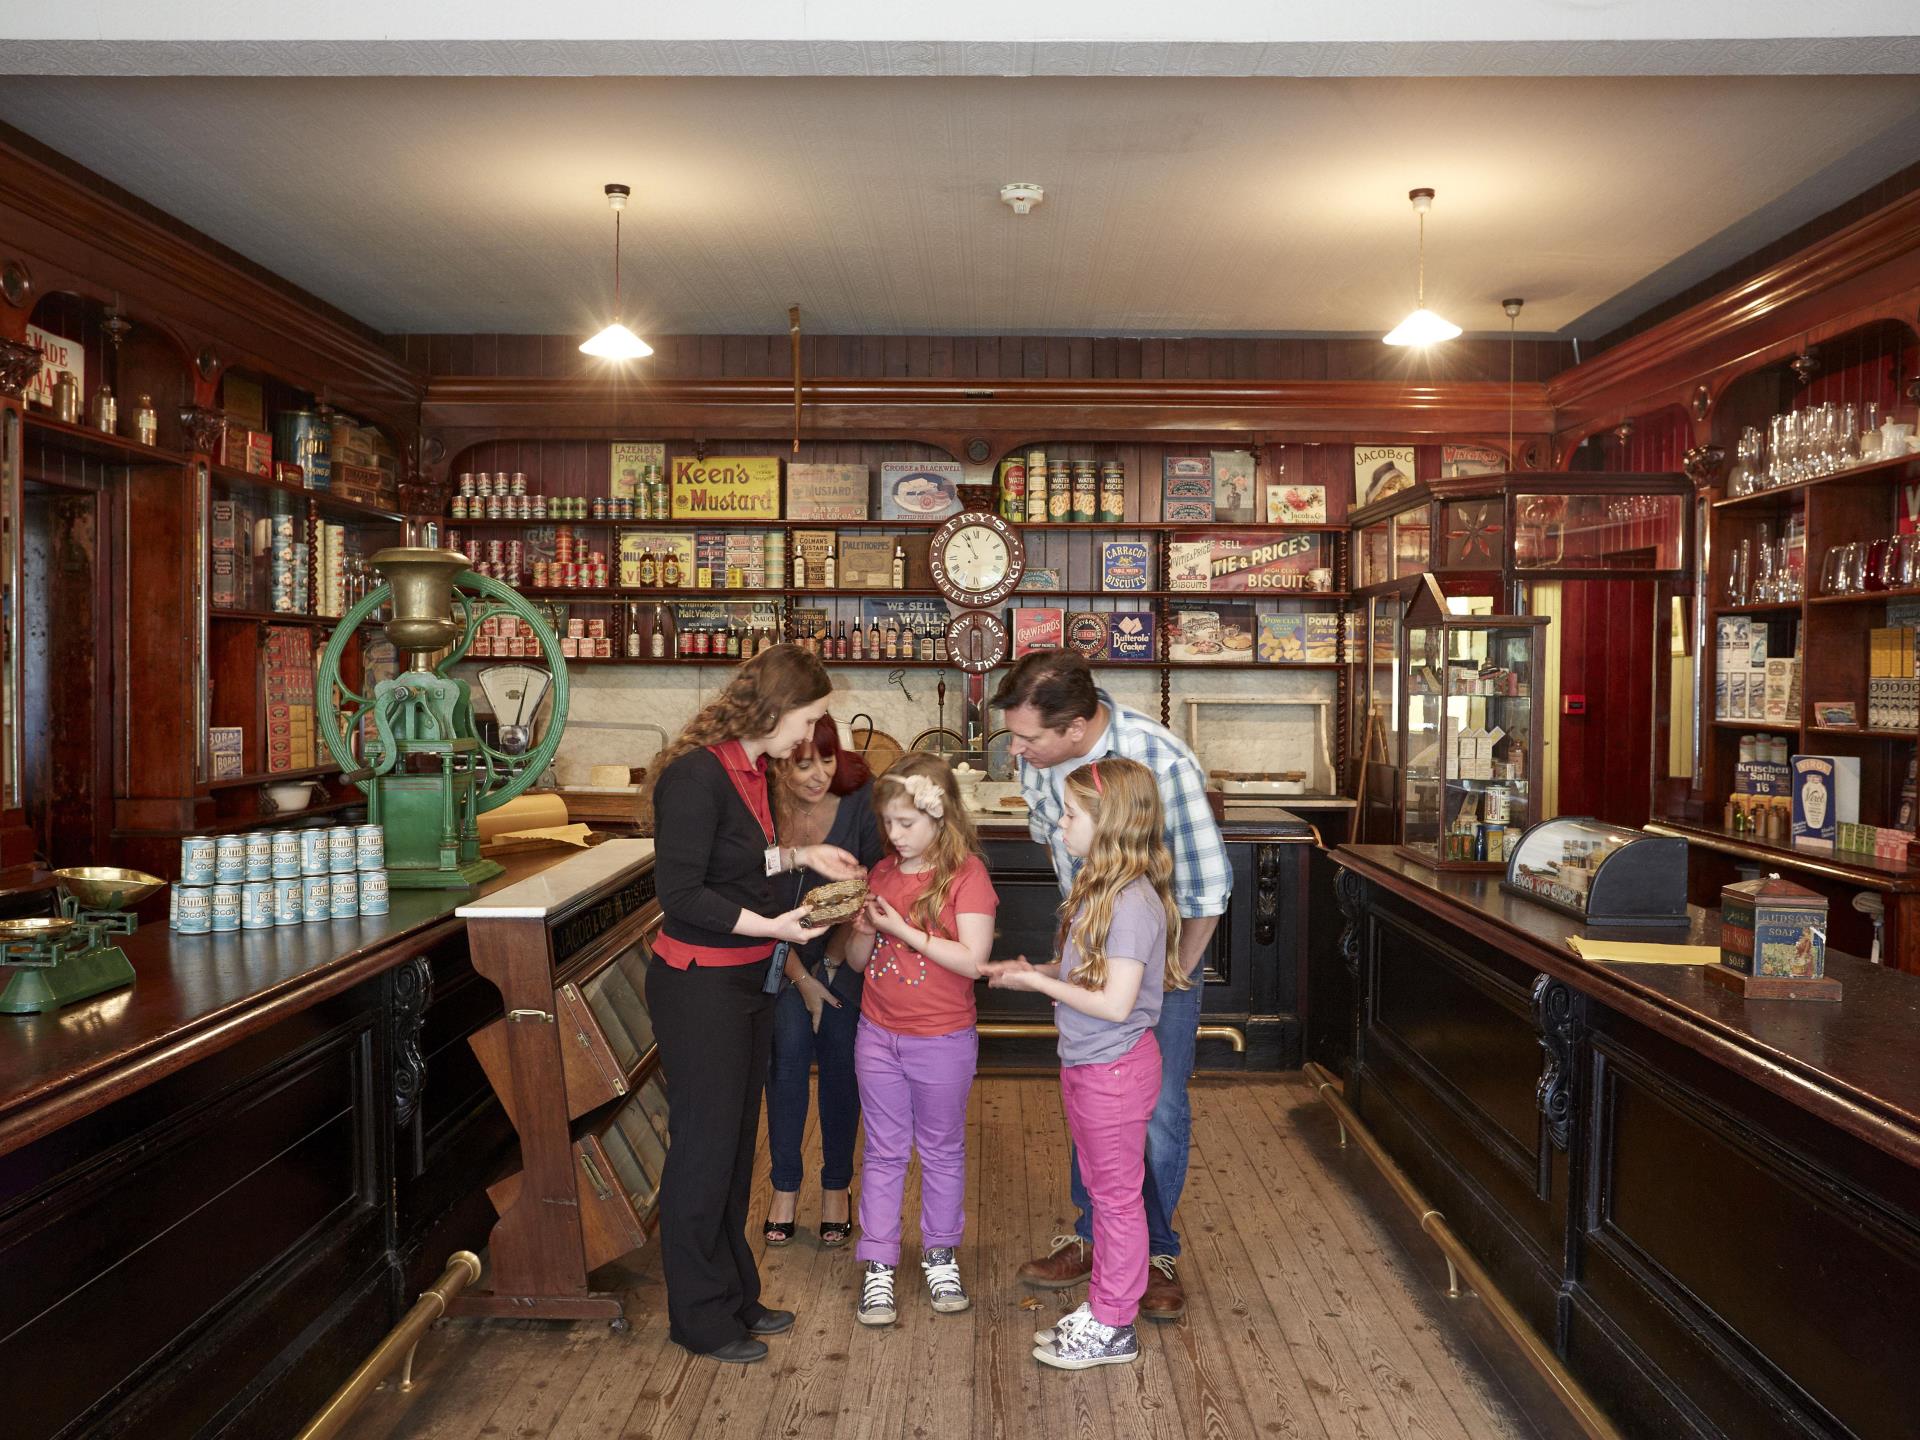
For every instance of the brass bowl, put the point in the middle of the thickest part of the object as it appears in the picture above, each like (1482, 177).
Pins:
(41, 927)
(102, 887)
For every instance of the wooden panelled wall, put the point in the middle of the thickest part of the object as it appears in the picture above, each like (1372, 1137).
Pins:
(994, 357)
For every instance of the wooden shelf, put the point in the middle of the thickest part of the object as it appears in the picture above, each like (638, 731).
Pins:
(275, 617)
(1231, 666)
(295, 817)
(1868, 597)
(94, 444)
(615, 595)
(1772, 725)
(1863, 733)
(330, 505)
(275, 777)
(1770, 607)
(1135, 527)
(1874, 470)
(1864, 870)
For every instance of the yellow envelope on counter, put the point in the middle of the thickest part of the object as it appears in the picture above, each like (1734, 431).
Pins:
(1631, 952)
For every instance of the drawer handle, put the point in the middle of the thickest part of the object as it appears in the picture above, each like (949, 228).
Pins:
(544, 1016)
(600, 1186)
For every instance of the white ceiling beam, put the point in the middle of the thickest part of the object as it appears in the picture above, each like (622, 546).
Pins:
(990, 37)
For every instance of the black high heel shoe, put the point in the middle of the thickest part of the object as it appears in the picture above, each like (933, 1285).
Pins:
(778, 1233)
(834, 1233)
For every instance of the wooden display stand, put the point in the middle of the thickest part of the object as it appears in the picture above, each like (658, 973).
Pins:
(1774, 987)
(573, 1061)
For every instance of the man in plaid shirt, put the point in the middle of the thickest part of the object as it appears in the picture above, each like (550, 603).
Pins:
(1057, 720)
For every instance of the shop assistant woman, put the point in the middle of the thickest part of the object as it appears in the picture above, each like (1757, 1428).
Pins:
(725, 886)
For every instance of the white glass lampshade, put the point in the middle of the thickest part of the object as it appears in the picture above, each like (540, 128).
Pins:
(1422, 327)
(617, 342)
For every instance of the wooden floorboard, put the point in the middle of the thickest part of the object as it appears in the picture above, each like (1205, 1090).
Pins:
(1313, 1311)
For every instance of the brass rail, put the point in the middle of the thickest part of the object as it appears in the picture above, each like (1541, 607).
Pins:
(1460, 1263)
(463, 1268)
(1025, 1030)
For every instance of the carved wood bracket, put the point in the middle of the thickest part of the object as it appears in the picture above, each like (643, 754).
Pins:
(1350, 892)
(412, 988)
(1266, 892)
(1555, 1007)
(1703, 464)
(204, 428)
(19, 363)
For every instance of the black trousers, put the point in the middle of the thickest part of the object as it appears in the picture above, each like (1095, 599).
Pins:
(715, 1031)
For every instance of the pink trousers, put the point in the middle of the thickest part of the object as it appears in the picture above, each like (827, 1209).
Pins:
(1108, 1107)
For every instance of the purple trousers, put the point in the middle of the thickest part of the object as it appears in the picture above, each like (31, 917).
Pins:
(1108, 1106)
(913, 1096)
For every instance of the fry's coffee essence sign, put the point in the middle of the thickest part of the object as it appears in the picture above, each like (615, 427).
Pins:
(1269, 563)
(726, 487)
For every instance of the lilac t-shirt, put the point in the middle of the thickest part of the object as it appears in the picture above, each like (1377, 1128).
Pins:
(1138, 937)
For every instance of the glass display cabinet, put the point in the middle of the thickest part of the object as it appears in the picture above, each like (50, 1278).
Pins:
(1600, 873)
(1468, 691)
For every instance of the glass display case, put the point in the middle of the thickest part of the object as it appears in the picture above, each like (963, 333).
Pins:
(1471, 783)
(1396, 546)
(1601, 526)
(1600, 873)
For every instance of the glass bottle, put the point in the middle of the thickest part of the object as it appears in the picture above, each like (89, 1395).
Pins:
(832, 576)
(146, 424)
(658, 645)
(670, 571)
(633, 631)
(899, 567)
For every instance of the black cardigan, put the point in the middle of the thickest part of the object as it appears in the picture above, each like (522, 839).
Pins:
(709, 856)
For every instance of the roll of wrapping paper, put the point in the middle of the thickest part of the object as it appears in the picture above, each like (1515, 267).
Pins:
(543, 811)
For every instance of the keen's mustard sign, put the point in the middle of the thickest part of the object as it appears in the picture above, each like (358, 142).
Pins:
(726, 487)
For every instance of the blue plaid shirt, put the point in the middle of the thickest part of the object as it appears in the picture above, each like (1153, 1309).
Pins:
(1202, 878)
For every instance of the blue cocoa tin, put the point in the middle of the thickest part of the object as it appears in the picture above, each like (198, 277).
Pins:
(286, 854)
(288, 908)
(313, 851)
(344, 898)
(373, 892)
(256, 905)
(193, 909)
(370, 847)
(197, 860)
(316, 898)
(225, 905)
(342, 845)
(260, 855)
(230, 860)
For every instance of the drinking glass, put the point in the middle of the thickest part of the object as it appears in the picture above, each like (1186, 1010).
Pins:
(1882, 564)
(1853, 579)
(1833, 570)
(1737, 564)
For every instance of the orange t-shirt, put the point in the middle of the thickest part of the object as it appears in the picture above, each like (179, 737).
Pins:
(905, 992)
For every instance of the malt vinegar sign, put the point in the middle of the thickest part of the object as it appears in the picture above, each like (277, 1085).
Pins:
(726, 487)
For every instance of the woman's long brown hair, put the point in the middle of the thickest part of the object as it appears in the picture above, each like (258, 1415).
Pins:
(763, 689)
(1129, 843)
(956, 842)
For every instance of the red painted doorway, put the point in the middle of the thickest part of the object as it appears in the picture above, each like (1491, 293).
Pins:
(1606, 658)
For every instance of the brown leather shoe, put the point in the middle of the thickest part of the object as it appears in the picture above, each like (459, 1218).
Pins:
(1165, 1299)
(1068, 1263)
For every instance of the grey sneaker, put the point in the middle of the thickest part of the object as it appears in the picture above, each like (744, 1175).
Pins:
(943, 1280)
(1088, 1344)
(1061, 1326)
(876, 1295)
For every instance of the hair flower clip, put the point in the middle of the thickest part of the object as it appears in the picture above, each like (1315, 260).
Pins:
(926, 795)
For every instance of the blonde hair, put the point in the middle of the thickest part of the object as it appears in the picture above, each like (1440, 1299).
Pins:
(1129, 843)
(763, 689)
(954, 844)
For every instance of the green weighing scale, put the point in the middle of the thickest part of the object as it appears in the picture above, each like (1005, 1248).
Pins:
(68, 957)
(411, 743)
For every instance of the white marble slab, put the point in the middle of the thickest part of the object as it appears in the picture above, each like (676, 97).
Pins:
(560, 885)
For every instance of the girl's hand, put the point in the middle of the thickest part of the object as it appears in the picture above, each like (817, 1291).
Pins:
(888, 921)
(831, 861)
(861, 923)
(1014, 974)
(790, 927)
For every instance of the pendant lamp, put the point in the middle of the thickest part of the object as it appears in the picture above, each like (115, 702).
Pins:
(1422, 327)
(617, 342)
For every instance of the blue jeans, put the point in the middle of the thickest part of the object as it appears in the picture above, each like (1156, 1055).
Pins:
(796, 1048)
(1169, 1132)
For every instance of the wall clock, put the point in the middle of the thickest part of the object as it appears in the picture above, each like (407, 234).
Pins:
(977, 641)
(977, 560)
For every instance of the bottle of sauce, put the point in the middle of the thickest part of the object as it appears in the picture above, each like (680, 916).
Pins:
(670, 571)
(649, 569)
(833, 566)
(659, 642)
(899, 567)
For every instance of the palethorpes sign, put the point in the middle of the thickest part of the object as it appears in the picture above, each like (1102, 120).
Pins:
(726, 487)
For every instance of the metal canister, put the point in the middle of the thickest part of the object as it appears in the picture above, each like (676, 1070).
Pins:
(230, 860)
(287, 904)
(1059, 490)
(776, 559)
(66, 398)
(369, 847)
(173, 907)
(260, 855)
(1113, 491)
(286, 854)
(256, 905)
(316, 898)
(313, 851)
(1012, 479)
(194, 909)
(225, 907)
(342, 843)
(197, 860)
(306, 439)
(373, 893)
(1086, 490)
(343, 900)
(1036, 487)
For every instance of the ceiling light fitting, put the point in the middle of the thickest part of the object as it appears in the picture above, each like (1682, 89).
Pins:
(617, 342)
(1022, 195)
(1422, 327)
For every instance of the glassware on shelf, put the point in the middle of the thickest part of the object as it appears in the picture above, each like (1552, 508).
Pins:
(1762, 580)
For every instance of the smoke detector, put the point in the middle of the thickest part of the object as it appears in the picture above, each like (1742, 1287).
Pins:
(1022, 195)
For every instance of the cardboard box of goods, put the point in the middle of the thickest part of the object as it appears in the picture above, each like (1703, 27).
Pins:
(1086, 634)
(1132, 636)
(866, 562)
(1037, 628)
(1323, 637)
(1826, 794)
(827, 492)
(1283, 639)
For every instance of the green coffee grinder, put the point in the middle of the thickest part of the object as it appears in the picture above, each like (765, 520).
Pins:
(71, 956)
(411, 743)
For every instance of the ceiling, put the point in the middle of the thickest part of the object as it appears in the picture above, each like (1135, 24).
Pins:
(1175, 206)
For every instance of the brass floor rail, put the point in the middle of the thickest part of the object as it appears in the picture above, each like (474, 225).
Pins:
(463, 1268)
(1024, 1030)
(1460, 1262)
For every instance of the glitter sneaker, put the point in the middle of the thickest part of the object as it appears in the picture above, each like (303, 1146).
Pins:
(1061, 1326)
(1088, 1344)
(876, 1295)
(943, 1280)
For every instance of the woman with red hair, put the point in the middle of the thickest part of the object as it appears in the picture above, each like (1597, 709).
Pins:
(823, 795)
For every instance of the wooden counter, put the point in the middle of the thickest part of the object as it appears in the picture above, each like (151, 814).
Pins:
(220, 1186)
(1710, 1206)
